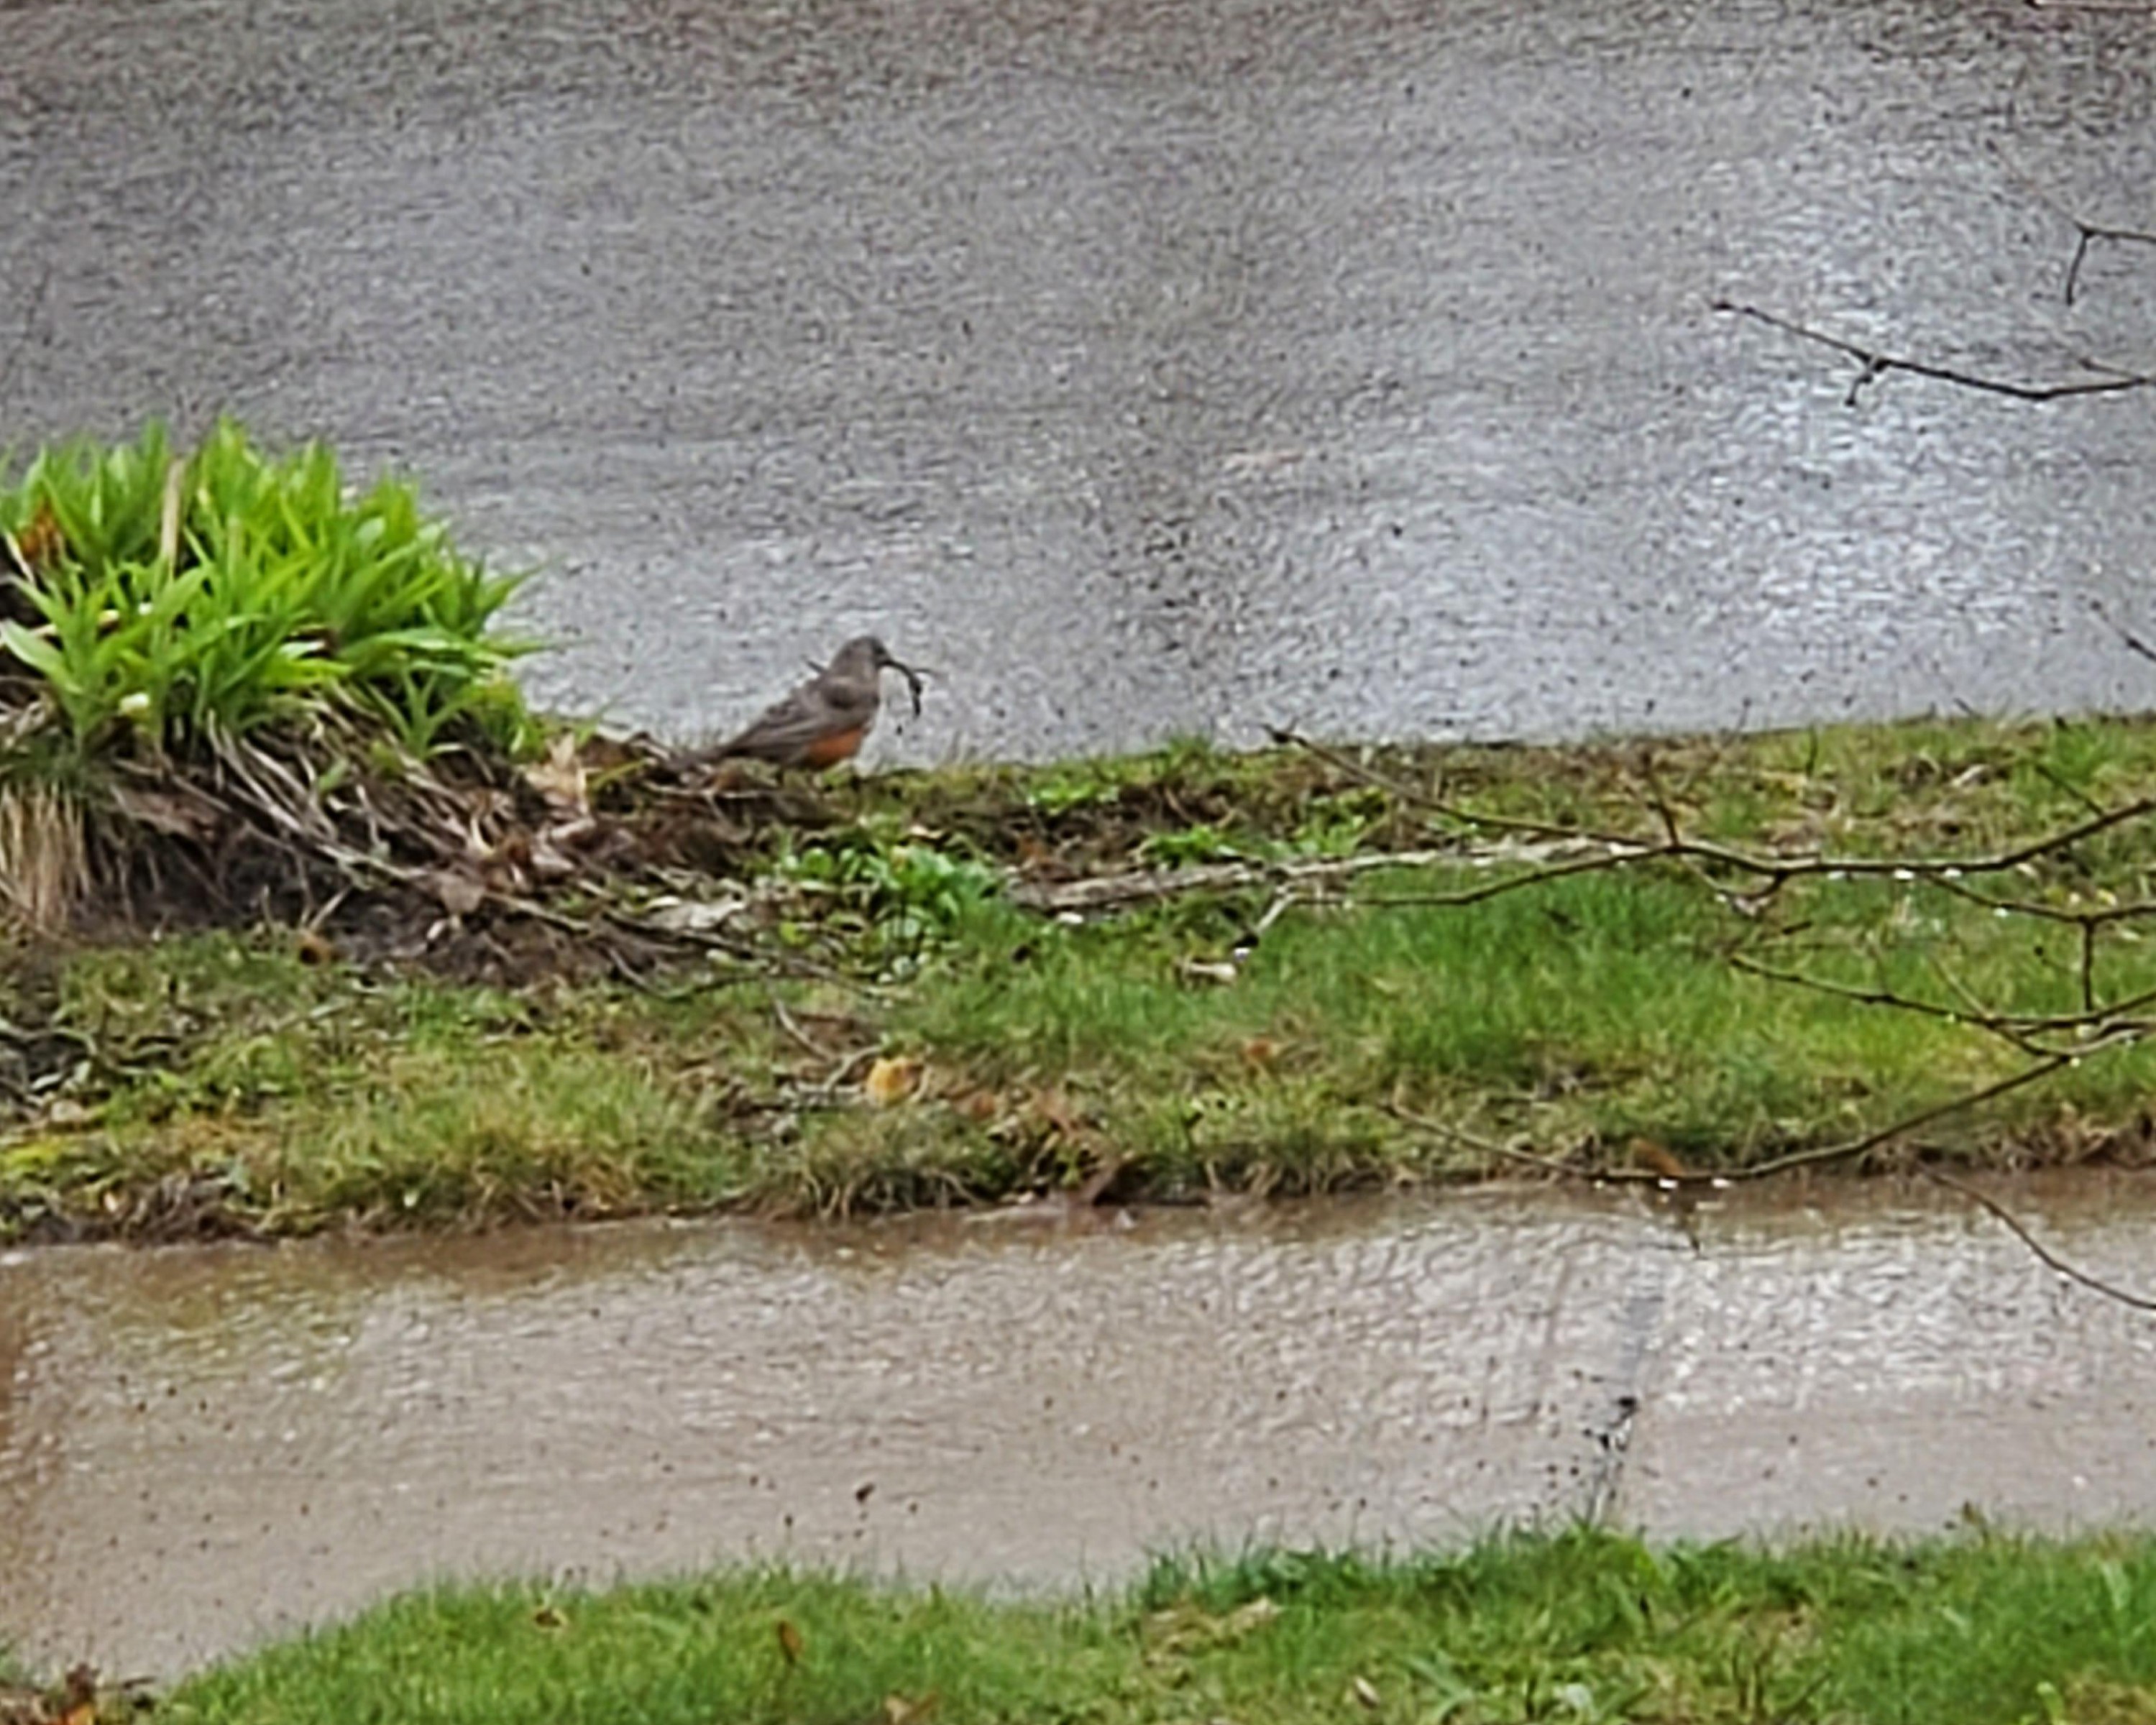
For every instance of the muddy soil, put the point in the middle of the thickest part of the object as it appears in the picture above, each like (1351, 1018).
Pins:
(202, 1446)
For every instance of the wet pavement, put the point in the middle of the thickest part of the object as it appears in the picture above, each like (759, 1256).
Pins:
(1151, 368)
(202, 1447)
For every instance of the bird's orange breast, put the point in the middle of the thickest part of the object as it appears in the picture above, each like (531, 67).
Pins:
(839, 745)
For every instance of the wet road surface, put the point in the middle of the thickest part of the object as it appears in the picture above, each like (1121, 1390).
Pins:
(1154, 368)
(199, 1448)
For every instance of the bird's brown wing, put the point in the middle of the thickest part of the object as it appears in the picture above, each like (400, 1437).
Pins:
(815, 710)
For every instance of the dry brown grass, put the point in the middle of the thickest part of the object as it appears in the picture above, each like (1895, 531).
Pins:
(44, 862)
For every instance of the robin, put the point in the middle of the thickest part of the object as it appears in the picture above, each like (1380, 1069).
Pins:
(825, 720)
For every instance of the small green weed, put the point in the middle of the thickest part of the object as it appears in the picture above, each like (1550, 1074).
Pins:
(907, 890)
(1200, 843)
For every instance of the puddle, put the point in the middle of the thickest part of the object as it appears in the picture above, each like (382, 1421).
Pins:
(199, 1448)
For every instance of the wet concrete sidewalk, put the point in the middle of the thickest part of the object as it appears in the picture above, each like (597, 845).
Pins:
(200, 1448)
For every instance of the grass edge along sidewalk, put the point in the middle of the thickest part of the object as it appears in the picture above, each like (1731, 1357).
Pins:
(900, 1027)
(1977, 1628)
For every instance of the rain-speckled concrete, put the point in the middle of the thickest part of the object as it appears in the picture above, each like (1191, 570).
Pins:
(201, 1447)
(1152, 367)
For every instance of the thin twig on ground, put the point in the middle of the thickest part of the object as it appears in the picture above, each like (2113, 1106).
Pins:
(1875, 364)
(1815, 1157)
(2091, 233)
(1104, 892)
(1766, 866)
(792, 1026)
(2133, 643)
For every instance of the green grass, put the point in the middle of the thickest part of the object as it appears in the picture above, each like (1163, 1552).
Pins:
(1579, 1626)
(298, 1094)
(1353, 1046)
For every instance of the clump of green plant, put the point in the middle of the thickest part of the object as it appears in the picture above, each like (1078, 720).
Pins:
(1202, 842)
(163, 603)
(909, 890)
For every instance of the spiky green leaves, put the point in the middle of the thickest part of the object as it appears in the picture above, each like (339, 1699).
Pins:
(170, 603)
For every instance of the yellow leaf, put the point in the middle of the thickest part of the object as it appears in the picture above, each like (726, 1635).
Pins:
(892, 1080)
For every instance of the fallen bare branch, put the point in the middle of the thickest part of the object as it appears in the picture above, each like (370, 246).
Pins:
(1104, 892)
(2132, 642)
(792, 1026)
(2090, 231)
(1875, 364)
(2045, 1256)
(1813, 1158)
(1766, 866)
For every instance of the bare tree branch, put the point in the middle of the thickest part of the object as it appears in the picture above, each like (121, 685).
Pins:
(1875, 364)
(2132, 642)
(1900, 1128)
(1599, 862)
(1815, 1157)
(1103, 892)
(1766, 865)
(2050, 1258)
(2090, 233)
(2094, 1030)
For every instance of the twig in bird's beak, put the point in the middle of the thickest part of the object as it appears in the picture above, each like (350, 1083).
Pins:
(912, 679)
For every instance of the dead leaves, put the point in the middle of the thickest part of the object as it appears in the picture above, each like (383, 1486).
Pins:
(173, 809)
(563, 785)
(79, 1698)
(42, 544)
(1045, 1126)
(1182, 1630)
(459, 893)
